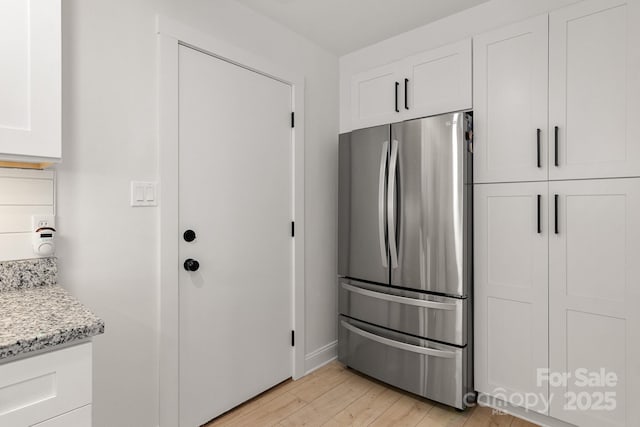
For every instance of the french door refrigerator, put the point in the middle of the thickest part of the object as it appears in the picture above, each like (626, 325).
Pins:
(405, 255)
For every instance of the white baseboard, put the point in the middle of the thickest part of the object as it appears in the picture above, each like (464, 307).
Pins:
(320, 357)
(534, 417)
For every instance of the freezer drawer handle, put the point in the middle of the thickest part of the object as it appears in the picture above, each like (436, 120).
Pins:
(399, 299)
(381, 200)
(399, 345)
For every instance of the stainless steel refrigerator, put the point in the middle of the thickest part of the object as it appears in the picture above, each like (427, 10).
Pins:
(405, 255)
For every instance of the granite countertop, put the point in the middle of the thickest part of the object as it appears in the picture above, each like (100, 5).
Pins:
(36, 313)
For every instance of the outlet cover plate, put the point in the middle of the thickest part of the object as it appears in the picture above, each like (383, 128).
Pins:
(38, 221)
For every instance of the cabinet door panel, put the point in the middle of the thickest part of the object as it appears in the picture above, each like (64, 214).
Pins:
(30, 78)
(511, 288)
(594, 295)
(594, 63)
(439, 81)
(373, 96)
(510, 102)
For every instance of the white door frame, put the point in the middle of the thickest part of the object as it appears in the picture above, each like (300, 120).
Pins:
(171, 35)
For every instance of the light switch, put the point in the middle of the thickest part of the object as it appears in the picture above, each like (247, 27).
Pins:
(150, 193)
(143, 193)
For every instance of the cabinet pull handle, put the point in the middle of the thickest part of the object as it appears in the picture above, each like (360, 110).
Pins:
(555, 208)
(538, 132)
(406, 94)
(538, 212)
(556, 131)
(397, 86)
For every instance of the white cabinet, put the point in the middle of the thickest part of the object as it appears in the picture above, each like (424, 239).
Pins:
(30, 80)
(594, 90)
(589, 71)
(437, 81)
(80, 417)
(511, 288)
(581, 320)
(45, 386)
(510, 103)
(557, 286)
(426, 84)
(594, 286)
(375, 96)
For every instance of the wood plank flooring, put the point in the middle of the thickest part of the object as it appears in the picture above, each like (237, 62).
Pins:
(336, 396)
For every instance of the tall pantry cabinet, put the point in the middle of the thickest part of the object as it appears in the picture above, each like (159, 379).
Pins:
(557, 210)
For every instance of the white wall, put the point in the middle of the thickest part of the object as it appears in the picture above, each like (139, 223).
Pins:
(486, 16)
(108, 251)
(23, 193)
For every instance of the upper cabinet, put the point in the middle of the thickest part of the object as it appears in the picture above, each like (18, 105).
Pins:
(437, 81)
(426, 84)
(594, 90)
(510, 103)
(375, 96)
(590, 54)
(30, 80)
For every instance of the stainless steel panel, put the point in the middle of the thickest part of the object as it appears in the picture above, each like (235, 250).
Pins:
(433, 205)
(429, 316)
(362, 243)
(432, 370)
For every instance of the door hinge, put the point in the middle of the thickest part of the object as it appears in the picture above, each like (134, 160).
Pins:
(468, 136)
(293, 338)
(293, 119)
(293, 229)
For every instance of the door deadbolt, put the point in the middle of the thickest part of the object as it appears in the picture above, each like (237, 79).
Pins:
(189, 235)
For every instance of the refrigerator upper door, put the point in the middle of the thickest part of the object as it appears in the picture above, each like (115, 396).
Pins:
(432, 224)
(362, 218)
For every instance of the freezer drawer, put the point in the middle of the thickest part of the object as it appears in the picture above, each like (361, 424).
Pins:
(434, 317)
(435, 371)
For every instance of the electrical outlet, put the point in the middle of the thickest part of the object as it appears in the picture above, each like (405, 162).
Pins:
(38, 221)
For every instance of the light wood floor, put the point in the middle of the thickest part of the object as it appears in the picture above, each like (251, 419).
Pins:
(338, 396)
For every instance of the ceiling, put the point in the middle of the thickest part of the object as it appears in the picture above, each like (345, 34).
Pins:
(343, 26)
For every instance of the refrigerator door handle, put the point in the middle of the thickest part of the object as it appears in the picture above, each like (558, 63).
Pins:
(399, 299)
(397, 344)
(391, 199)
(381, 200)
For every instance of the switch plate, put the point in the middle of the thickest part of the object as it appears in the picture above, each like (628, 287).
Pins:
(38, 221)
(144, 193)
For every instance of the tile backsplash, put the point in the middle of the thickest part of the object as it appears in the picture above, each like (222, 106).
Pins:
(23, 193)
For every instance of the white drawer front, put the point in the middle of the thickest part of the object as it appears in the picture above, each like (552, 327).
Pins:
(44, 386)
(80, 417)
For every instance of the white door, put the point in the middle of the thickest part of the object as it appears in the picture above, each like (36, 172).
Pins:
(511, 289)
(437, 81)
(594, 90)
(510, 102)
(235, 189)
(594, 297)
(30, 78)
(376, 96)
